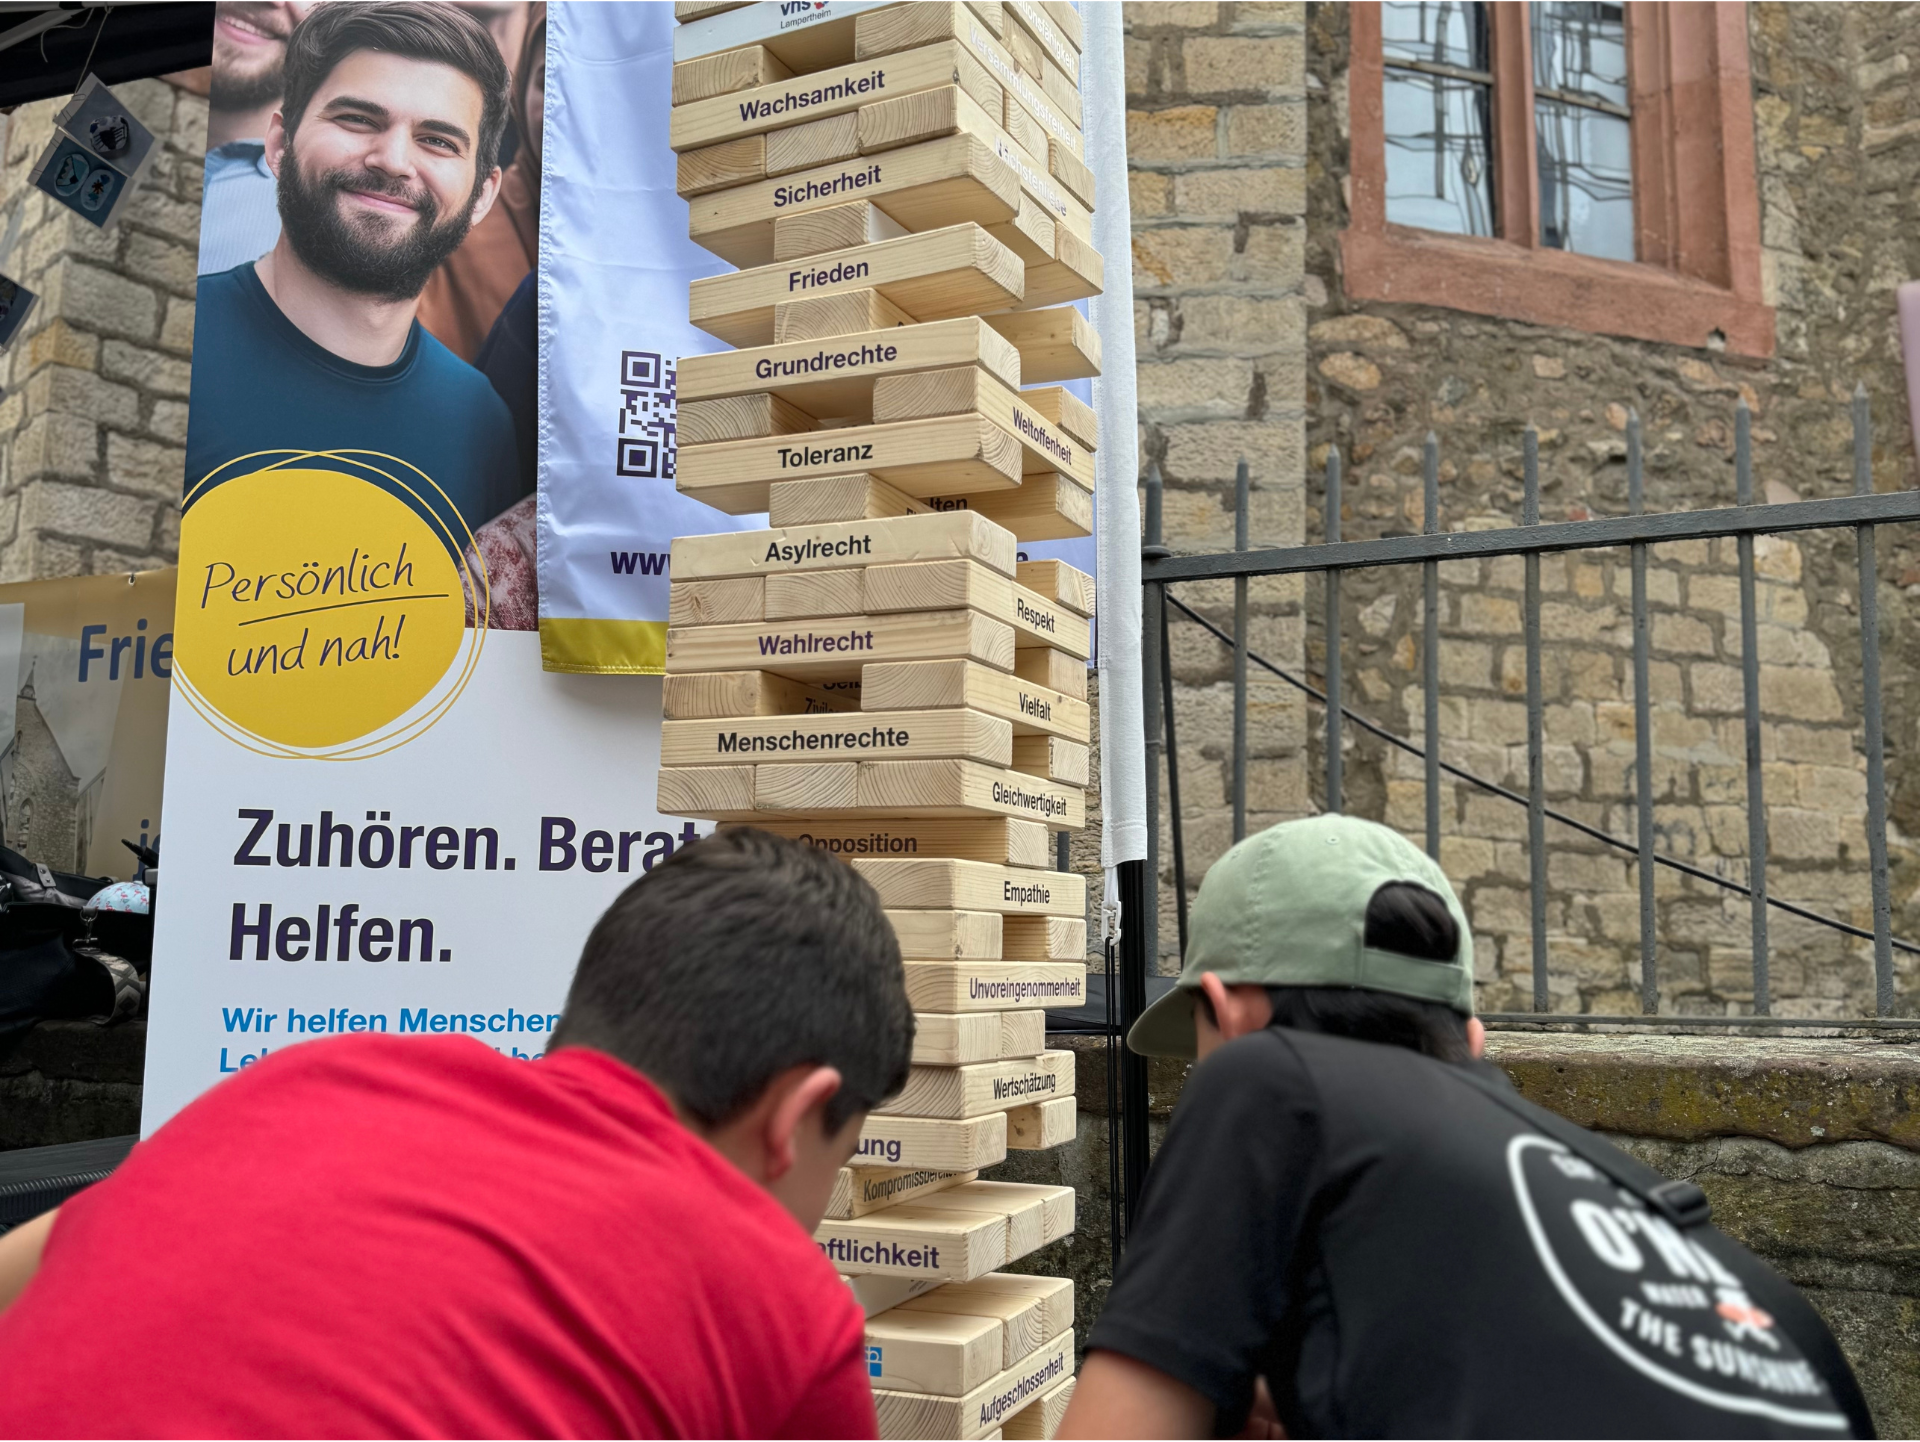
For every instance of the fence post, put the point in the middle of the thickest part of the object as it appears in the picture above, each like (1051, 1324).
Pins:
(1536, 729)
(1335, 801)
(1240, 658)
(1870, 711)
(1430, 663)
(1750, 687)
(1642, 732)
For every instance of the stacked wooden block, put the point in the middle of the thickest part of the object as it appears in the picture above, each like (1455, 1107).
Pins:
(880, 673)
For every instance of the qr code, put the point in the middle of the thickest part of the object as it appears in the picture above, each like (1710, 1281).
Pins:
(647, 413)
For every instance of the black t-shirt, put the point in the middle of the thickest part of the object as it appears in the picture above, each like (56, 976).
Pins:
(1402, 1255)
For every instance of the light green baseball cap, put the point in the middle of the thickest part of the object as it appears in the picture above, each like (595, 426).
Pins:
(1288, 907)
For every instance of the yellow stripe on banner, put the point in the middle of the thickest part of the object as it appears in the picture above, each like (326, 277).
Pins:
(595, 647)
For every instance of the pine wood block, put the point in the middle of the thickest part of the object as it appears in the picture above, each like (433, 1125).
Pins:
(711, 695)
(1025, 1217)
(1048, 938)
(708, 603)
(1063, 409)
(838, 227)
(1056, 121)
(930, 186)
(838, 736)
(958, 1038)
(1042, 1125)
(805, 787)
(1000, 840)
(963, 1145)
(1039, 622)
(695, 791)
(726, 73)
(856, 1193)
(799, 595)
(1071, 171)
(965, 454)
(948, 788)
(981, 1411)
(968, 389)
(1067, 18)
(1056, 670)
(912, 1241)
(806, 41)
(988, 1086)
(882, 1294)
(715, 167)
(937, 585)
(1064, 94)
(1028, 235)
(973, 984)
(837, 545)
(1054, 1294)
(1049, 507)
(941, 1355)
(1076, 272)
(1040, 1419)
(826, 317)
(990, 13)
(945, 938)
(1052, 758)
(1054, 345)
(937, 274)
(1056, 1202)
(835, 650)
(906, 27)
(838, 498)
(814, 142)
(685, 10)
(1022, 128)
(739, 418)
(1023, 1316)
(1032, 18)
(939, 883)
(916, 685)
(1059, 582)
(1025, 51)
(839, 90)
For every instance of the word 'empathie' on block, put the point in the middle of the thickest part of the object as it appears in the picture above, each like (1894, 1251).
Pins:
(934, 883)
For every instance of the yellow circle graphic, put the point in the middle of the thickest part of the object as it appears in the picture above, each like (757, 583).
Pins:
(319, 614)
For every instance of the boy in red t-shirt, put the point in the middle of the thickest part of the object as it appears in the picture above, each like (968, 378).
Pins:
(376, 1236)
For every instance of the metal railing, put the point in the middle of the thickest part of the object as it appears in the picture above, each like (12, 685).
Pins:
(1862, 512)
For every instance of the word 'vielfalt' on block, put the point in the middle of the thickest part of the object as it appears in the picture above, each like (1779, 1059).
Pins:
(1031, 709)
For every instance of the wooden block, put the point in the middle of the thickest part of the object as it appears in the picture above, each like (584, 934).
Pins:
(1044, 447)
(990, 13)
(838, 227)
(1054, 1294)
(931, 1352)
(1023, 1316)
(968, 454)
(857, 1193)
(1040, 1419)
(838, 498)
(1057, 122)
(1056, 1202)
(1025, 1217)
(1049, 507)
(1071, 172)
(938, 883)
(937, 275)
(739, 418)
(1028, 16)
(1026, 51)
(1022, 1033)
(936, 585)
(1060, 90)
(1033, 710)
(710, 603)
(906, 27)
(1029, 234)
(723, 74)
(981, 1411)
(1057, 581)
(1053, 758)
(685, 10)
(835, 650)
(842, 736)
(1000, 840)
(1076, 272)
(715, 167)
(712, 694)
(1042, 1125)
(882, 1294)
(805, 787)
(1055, 670)
(1050, 938)
(960, 788)
(930, 186)
(826, 317)
(930, 1142)
(1054, 345)
(945, 938)
(1022, 128)
(973, 984)
(1063, 409)
(832, 92)
(836, 545)
(990, 1086)
(694, 791)
(1039, 622)
(803, 40)
(837, 380)
(912, 1241)
(798, 595)
(948, 392)
(958, 1038)
(815, 142)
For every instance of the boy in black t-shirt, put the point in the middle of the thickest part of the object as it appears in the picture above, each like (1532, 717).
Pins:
(1354, 1209)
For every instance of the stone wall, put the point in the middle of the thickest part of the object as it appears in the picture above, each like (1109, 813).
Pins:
(1839, 158)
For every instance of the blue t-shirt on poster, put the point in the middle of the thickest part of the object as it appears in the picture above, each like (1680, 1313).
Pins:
(261, 385)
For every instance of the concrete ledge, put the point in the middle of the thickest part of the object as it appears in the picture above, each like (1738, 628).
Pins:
(1798, 1092)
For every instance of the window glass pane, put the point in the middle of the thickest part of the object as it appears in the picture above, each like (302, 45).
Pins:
(1439, 159)
(1448, 33)
(1582, 48)
(1586, 180)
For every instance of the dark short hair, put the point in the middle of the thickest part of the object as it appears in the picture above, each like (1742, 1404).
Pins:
(738, 957)
(441, 33)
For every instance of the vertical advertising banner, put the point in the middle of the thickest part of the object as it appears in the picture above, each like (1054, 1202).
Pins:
(382, 814)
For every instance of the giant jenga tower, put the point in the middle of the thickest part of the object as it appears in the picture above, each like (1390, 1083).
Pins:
(903, 190)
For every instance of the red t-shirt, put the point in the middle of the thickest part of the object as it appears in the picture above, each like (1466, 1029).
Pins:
(368, 1237)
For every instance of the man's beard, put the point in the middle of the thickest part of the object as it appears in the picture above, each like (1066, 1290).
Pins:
(236, 88)
(350, 252)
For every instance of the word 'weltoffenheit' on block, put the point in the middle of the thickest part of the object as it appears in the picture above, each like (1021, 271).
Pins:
(879, 674)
